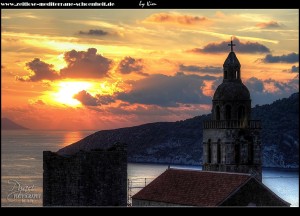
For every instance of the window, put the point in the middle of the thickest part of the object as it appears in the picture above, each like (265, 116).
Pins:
(228, 112)
(219, 151)
(250, 152)
(241, 113)
(237, 153)
(209, 151)
(217, 113)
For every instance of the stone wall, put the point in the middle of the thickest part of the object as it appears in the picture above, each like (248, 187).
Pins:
(225, 159)
(87, 178)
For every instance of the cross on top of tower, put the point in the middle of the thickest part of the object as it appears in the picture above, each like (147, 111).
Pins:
(232, 45)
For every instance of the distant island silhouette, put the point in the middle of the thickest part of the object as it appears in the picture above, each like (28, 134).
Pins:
(7, 124)
(181, 142)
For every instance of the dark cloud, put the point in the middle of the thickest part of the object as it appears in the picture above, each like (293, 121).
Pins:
(129, 65)
(295, 69)
(205, 77)
(88, 100)
(280, 85)
(167, 91)
(285, 88)
(89, 64)
(40, 71)
(289, 58)
(216, 83)
(105, 99)
(261, 95)
(255, 85)
(80, 64)
(194, 68)
(175, 18)
(140, 110)
(266, 91)
(271, 24)
(241, 47)
(38, 102)
(94, 32)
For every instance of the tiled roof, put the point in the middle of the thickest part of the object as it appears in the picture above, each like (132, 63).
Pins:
(192, 187)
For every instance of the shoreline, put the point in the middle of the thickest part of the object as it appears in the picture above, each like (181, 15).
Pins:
(200, 165)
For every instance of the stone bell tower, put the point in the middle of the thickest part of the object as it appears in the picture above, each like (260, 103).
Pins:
(231, 140)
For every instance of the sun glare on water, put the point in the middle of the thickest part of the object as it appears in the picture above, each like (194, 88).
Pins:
(67, 90)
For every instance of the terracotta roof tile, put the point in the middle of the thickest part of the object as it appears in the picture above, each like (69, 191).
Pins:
(193, 188)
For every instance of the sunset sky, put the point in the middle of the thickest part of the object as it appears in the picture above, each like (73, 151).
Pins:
(103, 69)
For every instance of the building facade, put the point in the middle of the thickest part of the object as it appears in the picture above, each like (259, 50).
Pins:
(232, 172)
(86, 178)
(231, 140)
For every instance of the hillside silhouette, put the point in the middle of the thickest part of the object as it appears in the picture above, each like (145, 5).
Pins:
(181, 142)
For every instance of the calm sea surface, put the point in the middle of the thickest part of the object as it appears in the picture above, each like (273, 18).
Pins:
(22, 168)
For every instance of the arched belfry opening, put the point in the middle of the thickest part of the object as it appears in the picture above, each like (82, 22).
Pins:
(218, 113)
(227, 149)
(241, 113)
(219, 151)
(251, 152)
(209, 152)
(227, 112)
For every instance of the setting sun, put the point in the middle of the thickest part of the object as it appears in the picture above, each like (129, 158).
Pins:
(67, 90)
(171, 83)
(66, 70)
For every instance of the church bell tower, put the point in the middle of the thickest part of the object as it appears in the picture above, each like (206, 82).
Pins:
(231, 140)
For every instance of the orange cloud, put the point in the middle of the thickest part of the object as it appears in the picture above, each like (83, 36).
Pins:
(271, 24)
(98, 118)
(37, 102)
(220, 14)
(175, 18)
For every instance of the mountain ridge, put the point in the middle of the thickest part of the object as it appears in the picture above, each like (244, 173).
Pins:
(7, 124)
(180, 142)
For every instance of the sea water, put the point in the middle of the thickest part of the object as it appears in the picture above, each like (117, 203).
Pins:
(22, 168)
